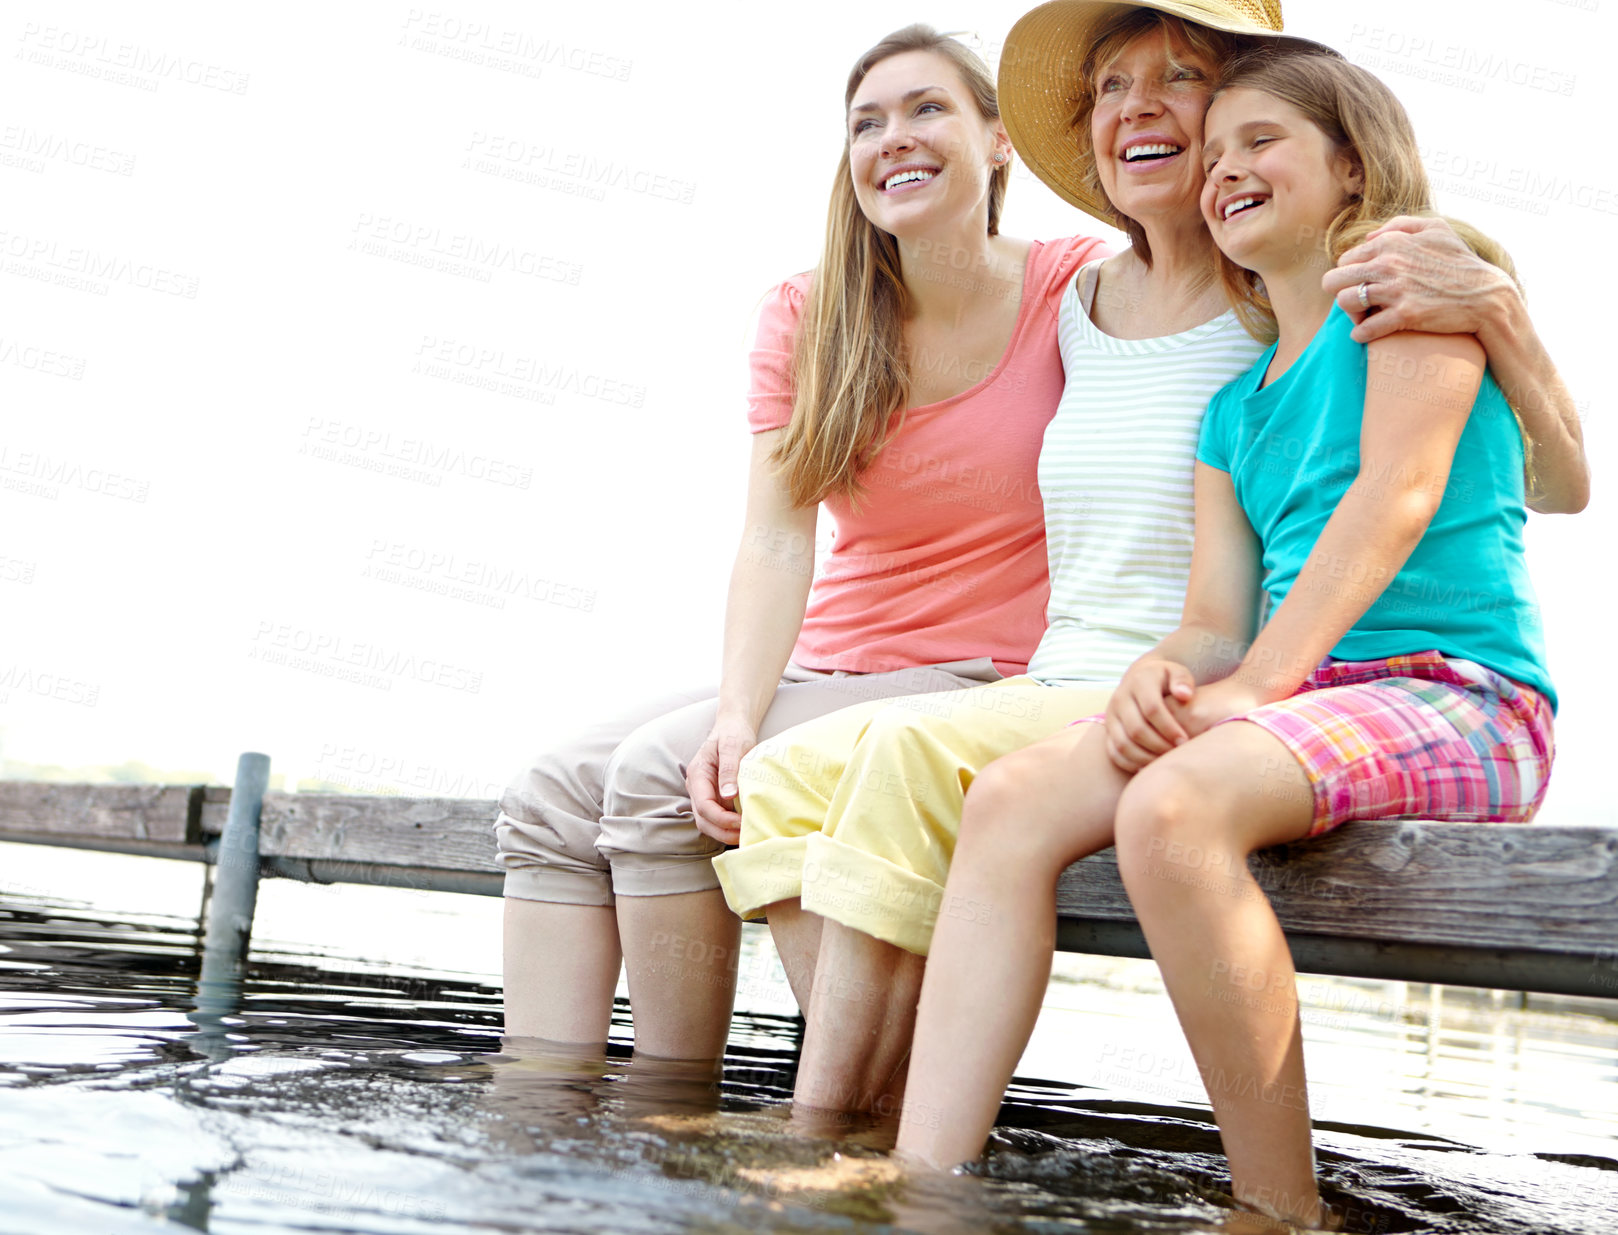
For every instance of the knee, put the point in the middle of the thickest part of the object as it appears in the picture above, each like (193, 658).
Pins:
(1170, 831)
(770, 767)
(891, 760)
(998, 817)
(643, 775)
(895, 731)
(549, 778)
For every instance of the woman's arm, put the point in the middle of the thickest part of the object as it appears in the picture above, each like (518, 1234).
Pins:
(1407, 447)
(1144, 718)
(1421, 276)
(769, 590)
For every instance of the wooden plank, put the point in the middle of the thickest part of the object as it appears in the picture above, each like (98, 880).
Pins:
(165, 813)
(1551, 889)
(1425, 901)
(215, 809)
(416, 878)
(1585, 974)
(455, 834)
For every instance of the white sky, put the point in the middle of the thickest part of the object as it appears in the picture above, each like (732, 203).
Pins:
(221, 450)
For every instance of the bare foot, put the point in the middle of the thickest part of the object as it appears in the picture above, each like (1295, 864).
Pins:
(837, 1174)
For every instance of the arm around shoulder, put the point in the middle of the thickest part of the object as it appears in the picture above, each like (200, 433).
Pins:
(1420, 276)
(1560, 471)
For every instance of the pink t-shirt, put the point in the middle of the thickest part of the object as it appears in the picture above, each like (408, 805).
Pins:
(945, 559)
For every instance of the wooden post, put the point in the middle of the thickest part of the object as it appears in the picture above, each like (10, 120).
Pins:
(235, 895)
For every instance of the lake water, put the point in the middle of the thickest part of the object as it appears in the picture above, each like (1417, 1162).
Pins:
(364, 1087)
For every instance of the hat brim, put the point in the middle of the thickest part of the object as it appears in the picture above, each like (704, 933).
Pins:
(1039, 75)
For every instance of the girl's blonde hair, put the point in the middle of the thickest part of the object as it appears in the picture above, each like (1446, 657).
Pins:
(1369, 126)
(1215, 47)
(850, 376)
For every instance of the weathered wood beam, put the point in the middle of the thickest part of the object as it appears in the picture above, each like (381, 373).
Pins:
(162, 813)
(1526, 908)
(441, 833)
(1548, 888)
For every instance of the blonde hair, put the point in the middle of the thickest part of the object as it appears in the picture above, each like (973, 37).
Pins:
(1214, 46)
(850, 376)
(1361, 116)
(1369, 126)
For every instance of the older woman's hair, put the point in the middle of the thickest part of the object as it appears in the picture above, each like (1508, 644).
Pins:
(850, 377)
(1213, 46)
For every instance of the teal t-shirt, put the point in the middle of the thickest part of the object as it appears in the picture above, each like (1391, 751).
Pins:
(1292, 450)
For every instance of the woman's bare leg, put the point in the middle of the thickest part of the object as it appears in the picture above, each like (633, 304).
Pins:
(1027, 817)
(797, 942)
(680, 953)
(860, 1020)
(1186, 826)
(551, 948)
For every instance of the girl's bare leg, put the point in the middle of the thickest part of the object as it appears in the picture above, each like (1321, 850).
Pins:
(1186, 825)
(1027, 816)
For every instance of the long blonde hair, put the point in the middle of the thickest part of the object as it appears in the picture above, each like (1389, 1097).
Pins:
(1369, 126)
(850, 376)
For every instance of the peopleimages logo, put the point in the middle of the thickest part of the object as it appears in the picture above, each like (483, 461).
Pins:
(120, 61)
(36, 359)
(1451, 64)
(516, 51)
(31, 148)
(413, 458)
(89, 268)
(1486, 177)
(458, 253)
(46, 471)
(361, 661)
(27, 680)
(517, 375)
(515, 158)
(482, 582)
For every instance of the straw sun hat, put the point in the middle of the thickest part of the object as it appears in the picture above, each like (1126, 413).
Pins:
(1039, 77)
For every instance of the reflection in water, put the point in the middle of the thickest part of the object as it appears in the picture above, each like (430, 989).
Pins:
(350, 1096)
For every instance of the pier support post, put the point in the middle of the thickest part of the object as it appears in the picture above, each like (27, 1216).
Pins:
(234, 898)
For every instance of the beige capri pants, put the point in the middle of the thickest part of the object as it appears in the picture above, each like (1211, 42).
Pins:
(607, 814)
(856, 813)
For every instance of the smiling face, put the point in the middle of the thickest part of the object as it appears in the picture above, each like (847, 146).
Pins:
(920, 151)
(1146, 128)
(1275, 182)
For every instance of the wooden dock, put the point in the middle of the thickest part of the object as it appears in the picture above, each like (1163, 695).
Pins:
(1529, 908)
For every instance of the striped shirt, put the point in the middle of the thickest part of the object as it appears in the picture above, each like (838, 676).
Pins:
(1115, 472)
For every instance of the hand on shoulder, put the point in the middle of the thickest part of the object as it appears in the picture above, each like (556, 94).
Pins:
(1417, 274)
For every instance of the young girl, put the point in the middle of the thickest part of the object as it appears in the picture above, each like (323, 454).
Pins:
(1376, 492)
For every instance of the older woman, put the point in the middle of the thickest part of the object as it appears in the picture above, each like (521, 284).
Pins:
(850, 823)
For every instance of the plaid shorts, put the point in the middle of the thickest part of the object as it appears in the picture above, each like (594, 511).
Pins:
(1415, 737)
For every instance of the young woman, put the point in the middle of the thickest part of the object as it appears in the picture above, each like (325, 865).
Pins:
(850, 821)
(906, 386)
(1356, 483)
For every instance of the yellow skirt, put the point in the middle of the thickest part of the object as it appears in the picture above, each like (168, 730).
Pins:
(856, 813)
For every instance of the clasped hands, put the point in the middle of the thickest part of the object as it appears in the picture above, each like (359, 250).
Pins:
(1158, 706)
